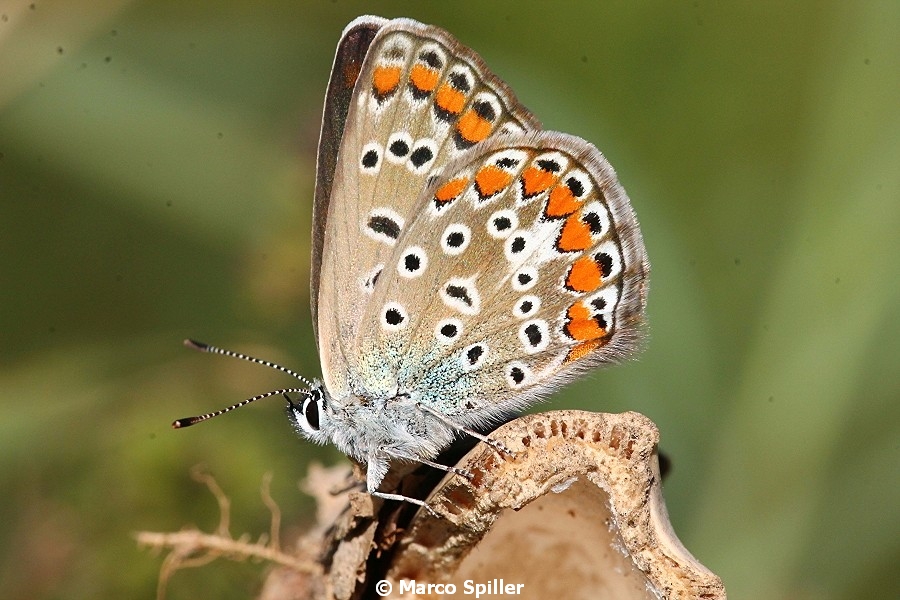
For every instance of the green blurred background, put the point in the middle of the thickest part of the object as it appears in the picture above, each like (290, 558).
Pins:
(156, 170)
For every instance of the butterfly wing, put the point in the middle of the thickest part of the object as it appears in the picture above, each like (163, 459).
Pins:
(521, 267)
(420, 101)
(351, 51)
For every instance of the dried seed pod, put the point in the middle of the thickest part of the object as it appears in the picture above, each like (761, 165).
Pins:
(577, 511)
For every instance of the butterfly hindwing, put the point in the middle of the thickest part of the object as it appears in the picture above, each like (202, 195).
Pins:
(533, 272)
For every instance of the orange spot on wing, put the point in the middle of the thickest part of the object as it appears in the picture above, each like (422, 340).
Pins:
(582, 350)
(535, 181)
(584, 275)
(561, 202)
(575, 236)
(473, 127)
(490, 180)
(450, 99)
(582, 326)
(578, 312)
(451, 190)
(385, 80)
(423, 78)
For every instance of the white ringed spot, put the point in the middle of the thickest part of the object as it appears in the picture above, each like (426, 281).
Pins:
(448, 330)
(370, 158)
(509, 160)
(526, 306)
(413, 262)
(502, 223)
(473, 356)
(534, 335)
(384, 225)
(578, 182)
(422, 155)
(399, 145)
(524, 279)
(461, 295)
(394, 317)
(517, 374)
(518, 245)
(456, 239)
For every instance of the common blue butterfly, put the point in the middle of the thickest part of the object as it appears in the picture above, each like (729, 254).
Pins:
(465, 262)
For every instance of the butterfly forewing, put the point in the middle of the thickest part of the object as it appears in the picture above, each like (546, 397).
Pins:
(421, 100)
(351, 52)
(533, 272)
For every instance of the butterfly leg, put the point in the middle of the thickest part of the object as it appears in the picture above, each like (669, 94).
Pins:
(498, 446)
(401, 498)
(461, 472)
(375, 472)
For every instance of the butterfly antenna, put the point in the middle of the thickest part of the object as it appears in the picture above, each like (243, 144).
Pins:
(201, 347)
(188, 421)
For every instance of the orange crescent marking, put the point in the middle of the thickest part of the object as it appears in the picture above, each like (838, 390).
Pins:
(575, 236)
(385, 79)
(423, 78)
(450, 99)
(535, 181)
(582, 350)
(451, 189)
(582, 326)
(472, 127)
(491, 179)
(561, 202)
(578, 312)
(584, 276)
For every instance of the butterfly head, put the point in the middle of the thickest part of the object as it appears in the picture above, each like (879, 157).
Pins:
(312, 415)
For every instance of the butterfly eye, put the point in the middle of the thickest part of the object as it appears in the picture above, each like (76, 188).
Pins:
(310, 420)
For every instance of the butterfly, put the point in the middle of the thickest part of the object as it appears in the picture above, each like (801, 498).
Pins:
(465, 262)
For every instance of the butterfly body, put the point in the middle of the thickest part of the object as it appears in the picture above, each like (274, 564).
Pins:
(465, 262)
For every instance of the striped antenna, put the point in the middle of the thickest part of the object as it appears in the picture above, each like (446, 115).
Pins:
(201, 347)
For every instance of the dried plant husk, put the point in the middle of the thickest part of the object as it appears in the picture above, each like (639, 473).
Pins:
(575, 510)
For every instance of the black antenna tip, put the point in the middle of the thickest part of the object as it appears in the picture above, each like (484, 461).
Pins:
(184, 422)
(195, 345)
